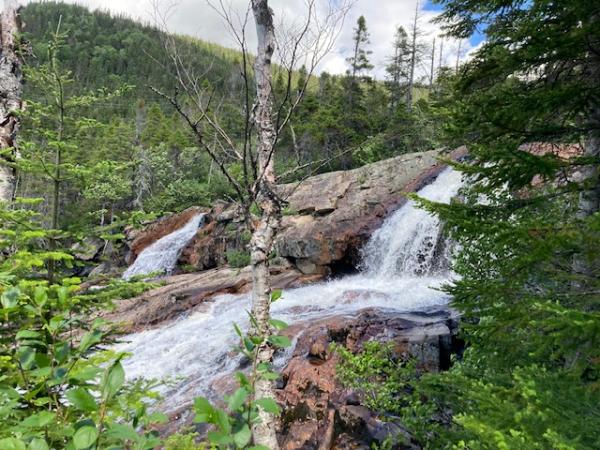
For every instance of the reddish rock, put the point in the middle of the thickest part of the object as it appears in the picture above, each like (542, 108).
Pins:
(318, 412)
(330, 228)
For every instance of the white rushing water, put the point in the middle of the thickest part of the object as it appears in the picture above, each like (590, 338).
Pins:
(397, 274)
(162, 255)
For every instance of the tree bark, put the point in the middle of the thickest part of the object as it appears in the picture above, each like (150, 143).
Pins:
(432, 70)
(589, 198)
(11, 77)
(264, 233)
(413, 61)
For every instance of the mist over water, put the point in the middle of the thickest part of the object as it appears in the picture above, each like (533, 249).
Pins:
(400, 271)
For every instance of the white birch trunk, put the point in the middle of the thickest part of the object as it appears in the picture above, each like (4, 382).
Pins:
(264, 432)
(10, 95)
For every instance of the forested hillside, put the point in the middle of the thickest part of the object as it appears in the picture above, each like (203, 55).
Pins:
(342, 121)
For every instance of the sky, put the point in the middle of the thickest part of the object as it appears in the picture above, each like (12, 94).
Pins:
(198, 19)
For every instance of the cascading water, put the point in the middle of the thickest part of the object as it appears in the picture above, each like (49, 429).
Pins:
(396, 274)
(162, 255)
(408, 242)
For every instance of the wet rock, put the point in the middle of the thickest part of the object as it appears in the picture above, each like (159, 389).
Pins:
(337, 212)
(183, 293)
(329, 217)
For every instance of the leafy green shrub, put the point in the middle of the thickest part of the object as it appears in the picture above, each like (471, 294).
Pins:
(56, 391)
(245, 236)
(381, 378)
(58, 388)
(238, 258)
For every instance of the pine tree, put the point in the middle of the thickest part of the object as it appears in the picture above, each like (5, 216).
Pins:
(398, 67)
(359, 62)
(528, 227)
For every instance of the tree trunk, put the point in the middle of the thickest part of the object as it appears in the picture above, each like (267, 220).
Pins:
(413, 62)
(10, 95)
(432, 71)
(264, 233)
(589, 198)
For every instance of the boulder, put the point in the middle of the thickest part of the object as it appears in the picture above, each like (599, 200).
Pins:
(333, 214)
(317, 411)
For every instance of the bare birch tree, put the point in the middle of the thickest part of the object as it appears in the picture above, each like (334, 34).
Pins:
(11, 78)
(301, 43)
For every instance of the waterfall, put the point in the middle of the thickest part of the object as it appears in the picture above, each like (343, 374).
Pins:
(162, 255)
(397, 274)
(409, 241)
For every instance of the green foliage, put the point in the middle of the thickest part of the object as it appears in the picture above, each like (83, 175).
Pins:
(183, 441)
(238, 258)
(59, 389)
(379, 376)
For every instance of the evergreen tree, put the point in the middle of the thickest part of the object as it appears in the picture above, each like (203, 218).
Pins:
(398, 67)
(528, 229)
(359, 61)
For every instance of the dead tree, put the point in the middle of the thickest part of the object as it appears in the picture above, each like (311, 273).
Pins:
(414, 55)
(432, 70)
(302, 43)
(11, 77)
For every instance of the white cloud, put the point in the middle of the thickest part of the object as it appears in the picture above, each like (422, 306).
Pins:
(197, 18)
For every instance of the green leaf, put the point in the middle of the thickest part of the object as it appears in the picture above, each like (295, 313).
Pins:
(38, 420)
(242, 380)
(242, 437)
(269, 405)
(90, 339)
(278, 324)
(122, 432)
(10, 297)
(237, 399)
(222, 420)
(280, 341)
(276, 295)
(114, 380)
(271, 376)
(28, 334)
(258, 447)
(82, 399)
(37, 444)
(238, 331)
(85, 437)
(220, 439)
(12, 444)
(248, 344)
(40, 296)
(204, 411)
